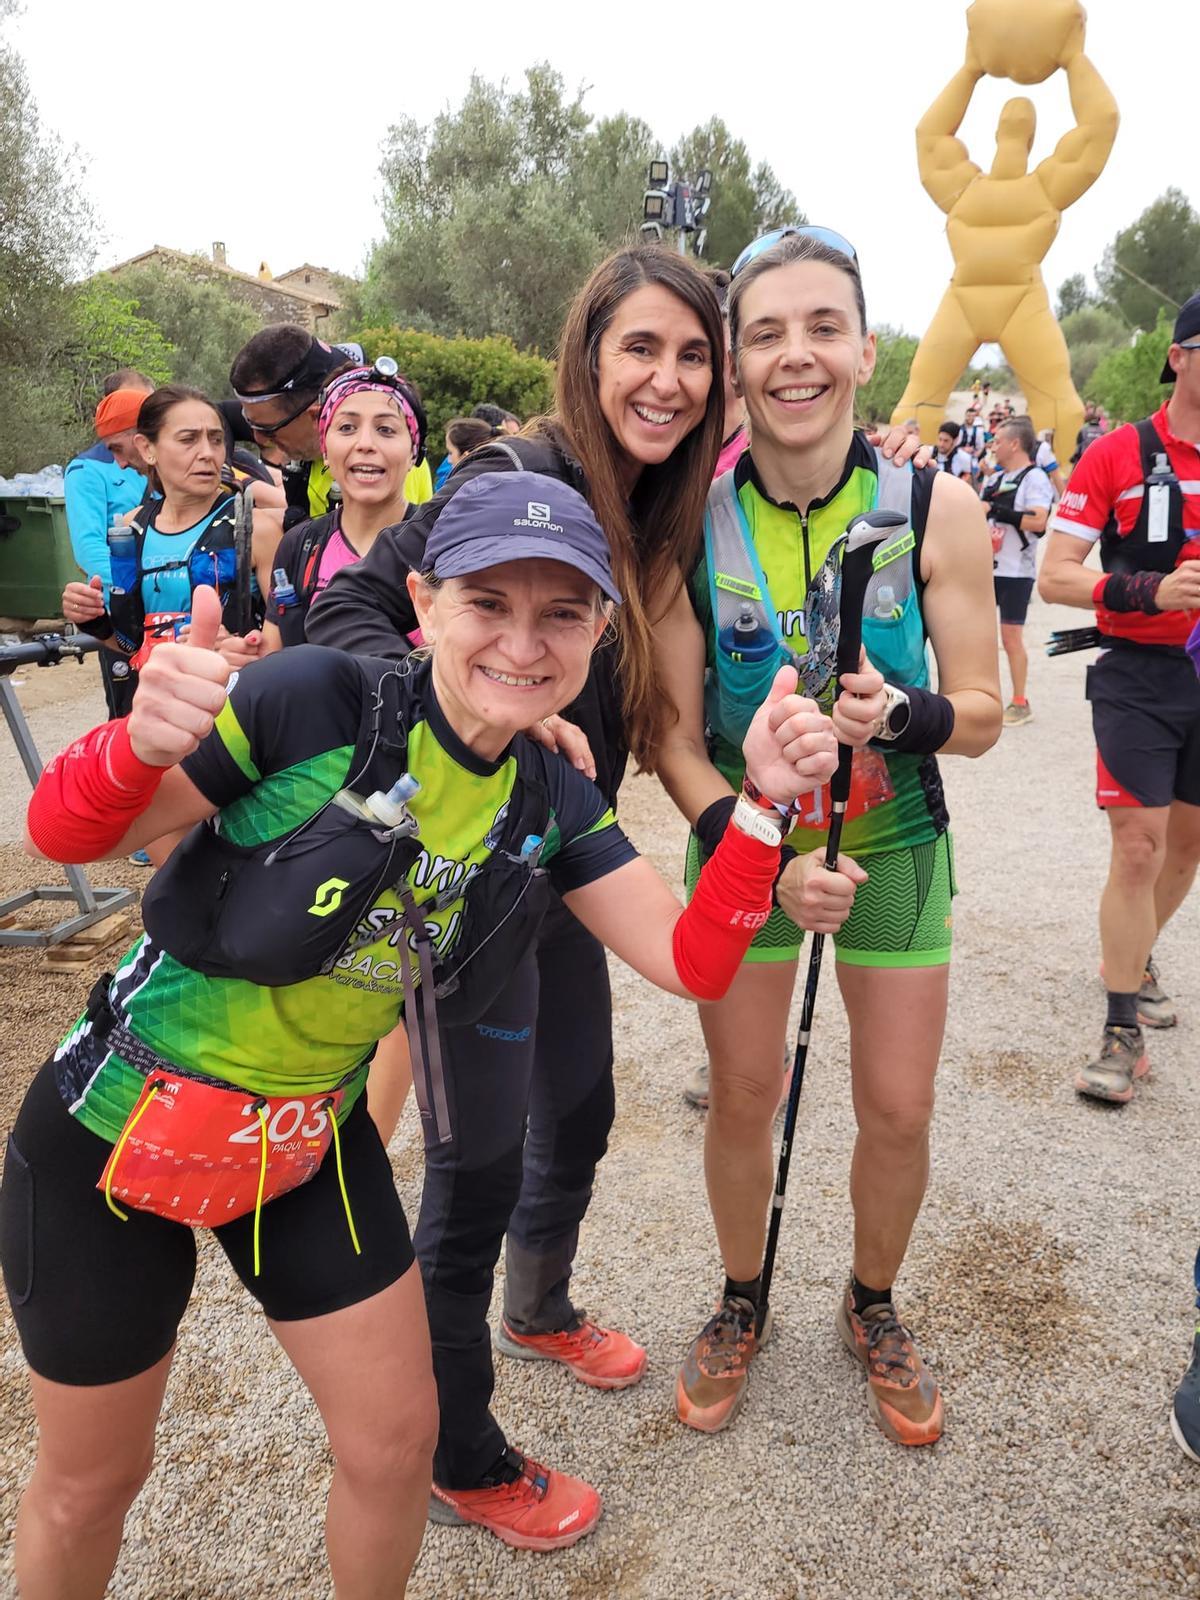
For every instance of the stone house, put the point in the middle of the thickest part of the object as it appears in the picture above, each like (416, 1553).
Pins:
(306, 295)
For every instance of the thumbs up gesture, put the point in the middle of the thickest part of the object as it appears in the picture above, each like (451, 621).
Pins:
(790, 747)
(180, 689)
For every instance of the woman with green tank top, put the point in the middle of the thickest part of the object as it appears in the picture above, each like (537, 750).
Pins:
(800, 348)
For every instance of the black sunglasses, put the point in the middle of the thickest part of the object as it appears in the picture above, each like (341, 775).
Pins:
(270, 429)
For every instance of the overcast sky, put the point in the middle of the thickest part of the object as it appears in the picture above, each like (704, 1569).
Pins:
(203, 122)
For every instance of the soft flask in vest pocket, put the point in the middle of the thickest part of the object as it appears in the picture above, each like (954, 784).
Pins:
(749, 654)
(893, 633)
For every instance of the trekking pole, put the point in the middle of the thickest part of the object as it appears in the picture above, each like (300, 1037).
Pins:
(862, 537)
(243, 544)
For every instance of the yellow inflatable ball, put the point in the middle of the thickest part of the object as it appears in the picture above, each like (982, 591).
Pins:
(1022, 39)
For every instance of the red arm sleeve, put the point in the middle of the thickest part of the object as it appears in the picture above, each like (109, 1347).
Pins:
(731, 903)
(88, 797)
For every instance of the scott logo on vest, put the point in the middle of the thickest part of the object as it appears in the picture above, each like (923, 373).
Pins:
(505, 1035)
(328, 897)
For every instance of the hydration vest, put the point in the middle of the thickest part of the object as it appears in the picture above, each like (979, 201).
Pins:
(1158, 536)
(303, 569)
(257, 912)
(893, 628)
(1003, 492)
(214, 559)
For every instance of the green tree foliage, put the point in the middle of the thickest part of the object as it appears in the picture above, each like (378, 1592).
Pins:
(745, 202)
(496, 211)
(894, 354)
(454, 375)
(1162, 250)
(203, 323)
(1073, 295)
(1091, 332)
(46, 233)
(1126, 381)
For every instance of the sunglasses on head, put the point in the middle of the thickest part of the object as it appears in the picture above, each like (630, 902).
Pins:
(835, 241)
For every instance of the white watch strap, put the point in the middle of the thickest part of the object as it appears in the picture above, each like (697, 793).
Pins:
(766, 826)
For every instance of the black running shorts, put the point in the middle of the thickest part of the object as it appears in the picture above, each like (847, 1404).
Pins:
(1012, 596)
(97, 1300)
(1146, 718)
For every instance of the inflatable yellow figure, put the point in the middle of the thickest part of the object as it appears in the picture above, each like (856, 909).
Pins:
(1002, 223)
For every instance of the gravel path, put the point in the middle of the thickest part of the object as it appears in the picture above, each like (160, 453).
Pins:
(1048, 1282)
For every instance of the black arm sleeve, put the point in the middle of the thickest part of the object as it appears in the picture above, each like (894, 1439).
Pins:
(366, 608)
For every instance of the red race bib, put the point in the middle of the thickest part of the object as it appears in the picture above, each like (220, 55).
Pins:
(202, 1154)
(160, 627)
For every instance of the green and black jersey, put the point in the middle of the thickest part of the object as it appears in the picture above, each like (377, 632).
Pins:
(282, 746)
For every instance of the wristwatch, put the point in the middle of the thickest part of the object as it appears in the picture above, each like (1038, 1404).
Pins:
(768, 827)
(896, 714)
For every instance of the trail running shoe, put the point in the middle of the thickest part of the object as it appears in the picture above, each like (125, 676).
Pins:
(902, 1395)
(1185, 1411)
(695, 1087)
(535, 1510)
(141, 859)
(1111, 1076)
(599, 1357)
(712, 1381)
(1154, 1008)
(1017, 713)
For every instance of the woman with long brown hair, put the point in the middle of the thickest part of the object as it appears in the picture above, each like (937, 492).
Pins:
(637, 426)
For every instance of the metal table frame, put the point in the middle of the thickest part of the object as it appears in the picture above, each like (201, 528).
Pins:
(92, 905)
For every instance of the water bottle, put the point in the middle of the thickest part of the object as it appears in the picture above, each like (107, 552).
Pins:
(282, 589)
(333, 499)
(122, 551)
(392, 808)
(748, 639)
(885, 603)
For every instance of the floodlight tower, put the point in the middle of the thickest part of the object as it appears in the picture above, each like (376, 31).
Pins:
(678, 204)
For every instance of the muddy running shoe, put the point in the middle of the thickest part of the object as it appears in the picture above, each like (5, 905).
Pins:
(1185, 1412)
(1154, 1008)
(534, 1509)
(902, 1396)
(1111, 1076)
(599, 1357)
(695, 1087)
(712, 1381)
(1017, 713)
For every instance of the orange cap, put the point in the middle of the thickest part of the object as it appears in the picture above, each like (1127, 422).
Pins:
(118, 411)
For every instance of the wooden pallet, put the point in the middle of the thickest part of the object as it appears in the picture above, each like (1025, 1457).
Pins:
(78, 952)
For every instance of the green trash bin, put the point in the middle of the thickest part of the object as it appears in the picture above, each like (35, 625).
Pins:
(35, 555)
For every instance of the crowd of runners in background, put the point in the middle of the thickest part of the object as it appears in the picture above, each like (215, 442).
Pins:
(643, 568)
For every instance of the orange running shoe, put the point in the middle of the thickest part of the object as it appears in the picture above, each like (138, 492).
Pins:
(712, 1381)
(902, 1395)
(537, 1510)
(600, 1357)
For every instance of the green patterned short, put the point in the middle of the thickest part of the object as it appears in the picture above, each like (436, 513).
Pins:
(901, 917)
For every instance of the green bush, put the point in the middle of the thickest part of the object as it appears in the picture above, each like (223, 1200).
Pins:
(876, 400)
(454, 375)
(1126, 383)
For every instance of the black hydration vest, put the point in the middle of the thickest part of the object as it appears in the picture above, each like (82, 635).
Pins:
(289, 909)
(995, 494)
(220, 557)
(1147, 548)
(303, 568)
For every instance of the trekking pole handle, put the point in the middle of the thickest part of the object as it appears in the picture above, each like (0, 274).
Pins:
(863, 536)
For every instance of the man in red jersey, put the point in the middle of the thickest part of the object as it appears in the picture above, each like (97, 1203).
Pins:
(1137, 491)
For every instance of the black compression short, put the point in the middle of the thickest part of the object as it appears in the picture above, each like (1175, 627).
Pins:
(1012, 597)
(1146, 718)
(97, 1300)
